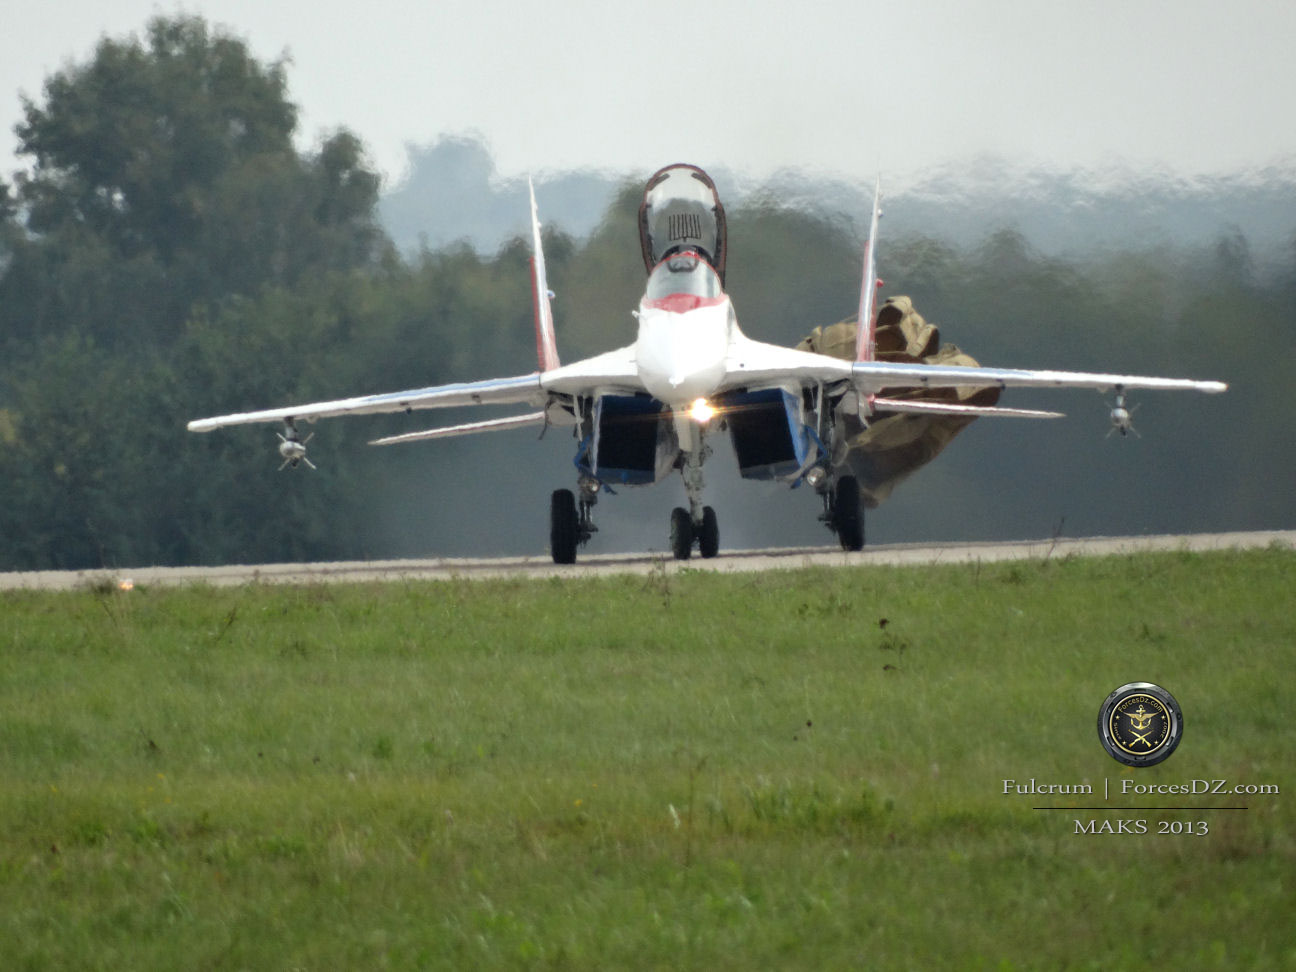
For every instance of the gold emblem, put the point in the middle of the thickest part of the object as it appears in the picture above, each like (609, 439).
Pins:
(1140, 724)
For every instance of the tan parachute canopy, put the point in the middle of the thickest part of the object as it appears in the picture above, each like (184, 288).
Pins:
(893, 446)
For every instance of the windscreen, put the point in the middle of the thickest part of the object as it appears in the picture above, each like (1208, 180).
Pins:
(684, 274)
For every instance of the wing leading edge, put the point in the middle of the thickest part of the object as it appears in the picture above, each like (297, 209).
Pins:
(495, 391)
(870, 377)
(614, 370)
(756, 361)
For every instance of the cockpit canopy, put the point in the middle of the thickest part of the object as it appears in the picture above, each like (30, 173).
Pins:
(681, 211)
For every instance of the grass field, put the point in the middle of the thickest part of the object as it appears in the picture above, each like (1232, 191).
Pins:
(687, 770)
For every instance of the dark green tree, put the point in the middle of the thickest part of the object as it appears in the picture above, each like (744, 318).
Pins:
(164, 173)
(165, 191)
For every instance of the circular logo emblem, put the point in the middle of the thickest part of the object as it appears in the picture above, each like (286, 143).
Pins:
(1140, 724)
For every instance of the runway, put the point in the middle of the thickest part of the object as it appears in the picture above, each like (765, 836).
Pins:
(595, 565)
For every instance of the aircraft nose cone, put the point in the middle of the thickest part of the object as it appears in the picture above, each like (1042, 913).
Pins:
(682, 356)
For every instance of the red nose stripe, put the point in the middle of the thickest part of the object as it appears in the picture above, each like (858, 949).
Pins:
(682, 303)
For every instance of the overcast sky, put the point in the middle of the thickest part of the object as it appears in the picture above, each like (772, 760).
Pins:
(846, 87)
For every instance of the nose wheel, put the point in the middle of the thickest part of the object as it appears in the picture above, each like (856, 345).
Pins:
(685, 534)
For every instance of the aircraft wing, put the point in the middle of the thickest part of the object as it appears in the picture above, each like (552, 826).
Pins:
(870, 377)
(752, 361)
(612, 371)
(494, 391)
(756, 361)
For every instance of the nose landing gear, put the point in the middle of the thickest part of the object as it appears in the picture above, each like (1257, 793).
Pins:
(685, 534)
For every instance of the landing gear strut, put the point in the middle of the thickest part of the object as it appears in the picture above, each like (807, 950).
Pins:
(696, 526)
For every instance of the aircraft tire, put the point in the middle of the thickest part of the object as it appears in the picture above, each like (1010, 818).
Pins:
(681, 533)
(563, 526)
(848, 514)
(709, 539)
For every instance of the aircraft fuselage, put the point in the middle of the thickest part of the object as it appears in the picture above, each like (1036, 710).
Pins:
(681, 353)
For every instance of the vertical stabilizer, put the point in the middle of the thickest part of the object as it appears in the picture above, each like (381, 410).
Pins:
(546, 343)
(865, 343)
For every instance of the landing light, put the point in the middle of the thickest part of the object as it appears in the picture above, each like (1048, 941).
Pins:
(702, 412)
(816, 475)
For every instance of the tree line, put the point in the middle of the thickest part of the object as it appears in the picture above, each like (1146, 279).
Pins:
(168, 254)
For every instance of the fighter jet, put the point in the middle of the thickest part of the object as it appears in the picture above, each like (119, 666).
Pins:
(642, 412)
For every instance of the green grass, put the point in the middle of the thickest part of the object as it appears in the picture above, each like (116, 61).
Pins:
(685, 770)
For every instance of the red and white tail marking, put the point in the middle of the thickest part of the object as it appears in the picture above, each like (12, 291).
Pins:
(865, 343)
(546, 343)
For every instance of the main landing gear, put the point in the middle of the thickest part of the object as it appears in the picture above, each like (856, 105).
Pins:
(570, 524)
(844, 513)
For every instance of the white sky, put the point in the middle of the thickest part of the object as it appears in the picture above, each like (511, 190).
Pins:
(842, 87)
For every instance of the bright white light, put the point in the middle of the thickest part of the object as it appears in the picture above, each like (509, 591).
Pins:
(702, 411)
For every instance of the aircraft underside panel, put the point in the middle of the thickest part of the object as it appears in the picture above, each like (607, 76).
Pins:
(768, 432)
(629, 442)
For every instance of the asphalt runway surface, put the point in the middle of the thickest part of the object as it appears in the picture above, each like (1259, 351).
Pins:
(594, 565)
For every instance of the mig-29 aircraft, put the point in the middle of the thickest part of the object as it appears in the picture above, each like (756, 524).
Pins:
(640, 412)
